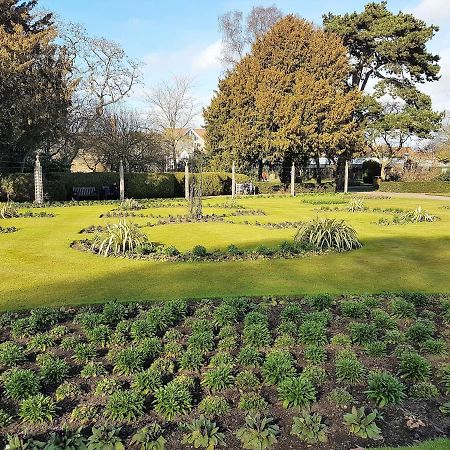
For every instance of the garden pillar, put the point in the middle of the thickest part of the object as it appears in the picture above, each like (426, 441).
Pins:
(186, 181)
(293, 180)
(38, 183)
(122, 182)
(346, 178)
(233, 180)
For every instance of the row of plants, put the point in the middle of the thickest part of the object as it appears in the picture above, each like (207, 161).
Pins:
(10, 211)
(248, 373)
(6, 230)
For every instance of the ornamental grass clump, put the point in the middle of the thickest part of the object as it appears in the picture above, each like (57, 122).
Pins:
(416, 216)
(328, 234)
(119, 239)
(130, 204)
(8, 211)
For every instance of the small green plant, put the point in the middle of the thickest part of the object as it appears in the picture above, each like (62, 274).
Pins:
(130, 204)
(250, 357)
(40, 343)
(313, 332)
(278, 366)
(292, 312)
(37, 409)
(203, 433)
(214, 406)
(247, 380)
(83, 353)
(434, 347)
(104, 438)
(414, 367)
(11, 354)
(259, 433)
(317, 375)
(341, 397)
(445, 408)
(5, 418)
(67, 390)
(298, 391)
(402, 308)
(20, 383)
(362, 424)
(172, 400)
(252, 402)
(114, 312)
(192, 359)
(356, 204)
(149, 438)
(394, 337)
(93, 369)
(221, 359)
(218, 379)
(124, 406)
(84, 414)
(362, 333)
(341, 340)
(349, 370)
(54, 370)
(328, 234)
(199, 251)
(107, 386)
(147, 382)
(353, 309)
(416, 216)
(420, 331)
(385, 389)
(375, 349)
(257, 335)
(315, 354)
(424, 390)
(320, 302)
(309, 428)
(225, 314)
(445, 375)
(128, 361)
(99, 335)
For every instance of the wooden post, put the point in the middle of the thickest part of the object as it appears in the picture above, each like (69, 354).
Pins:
(233, 180)
(293, 180)
(346, 178)
(186, 181)
(38, 182)
(122, 182)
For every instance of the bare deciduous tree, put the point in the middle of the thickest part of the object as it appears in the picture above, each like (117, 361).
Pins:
(172, 108)
(238, 37)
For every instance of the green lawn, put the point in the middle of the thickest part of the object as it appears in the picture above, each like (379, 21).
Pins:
(438, 444)
(39, 268)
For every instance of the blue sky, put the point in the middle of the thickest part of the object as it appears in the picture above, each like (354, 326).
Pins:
(175, 37)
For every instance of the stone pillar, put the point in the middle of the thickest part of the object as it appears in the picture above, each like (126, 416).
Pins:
(122, 182)
(186, 181)
(38, 182)
(233, 180)
(346, 178)
(293, 180)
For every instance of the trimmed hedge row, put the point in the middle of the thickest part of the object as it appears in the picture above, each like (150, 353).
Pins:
(427, 187)
(275, 187)
(58, 186)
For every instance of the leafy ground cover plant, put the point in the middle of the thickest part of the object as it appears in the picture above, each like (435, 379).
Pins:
(149, 438)
(124, 406)
(385, 389)
(309, 428)
(362, 424)
(259, 433)
(172, 400)
(298, 391)
(203, 433)
(37, 409)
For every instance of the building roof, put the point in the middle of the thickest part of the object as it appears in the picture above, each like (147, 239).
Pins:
(200, 132)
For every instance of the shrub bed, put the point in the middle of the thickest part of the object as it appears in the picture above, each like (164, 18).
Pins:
(427, 187)
(236, 369)
(275, 187)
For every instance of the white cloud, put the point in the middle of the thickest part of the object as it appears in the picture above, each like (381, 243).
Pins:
(437, 11)
(208, 59)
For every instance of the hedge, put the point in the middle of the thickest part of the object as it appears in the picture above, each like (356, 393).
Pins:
(275, 187)
(58, 186)
(427, 187)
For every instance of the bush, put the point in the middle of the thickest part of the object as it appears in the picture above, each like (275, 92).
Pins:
(420, 331)
(37, 409)
(83, 353)
(192, 359)
(309, 428)
(114, 312)
(104, 438)
(362, 424)
(385, 389)
(292, 312)
(221, 359)
(11, 354)
(298, 391)
(20, 384)
(320, 301)
(252, 402)
(203, 433)
(328, 234)
(354, 309)
(172, 400)
(149, 438)
(99, 336)
(225, 315)
(424, 390)
(278, 366)
(213, 406)
(259, 433)
(218, 379)
(119, 239)
(199, 251)
(349, 369)
(414, 367)
(124, 406)
(402, 308)
(416, 186)
(142, 329)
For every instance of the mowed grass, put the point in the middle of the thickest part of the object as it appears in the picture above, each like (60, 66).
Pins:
(438, 444)
(38, 267)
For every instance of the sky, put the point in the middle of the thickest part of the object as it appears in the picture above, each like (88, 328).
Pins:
(178, 37)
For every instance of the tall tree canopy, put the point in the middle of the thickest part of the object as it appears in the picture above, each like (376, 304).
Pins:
(287, 100)
(34, 90)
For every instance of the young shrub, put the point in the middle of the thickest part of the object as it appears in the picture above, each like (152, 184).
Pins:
(172, 400)
(385, 389)
(375, 349)
(324, 317)
(247, 381)
(68, 343)
(228, 343)
(218, 379)
(257, 335)
(250, 357)
(292, 312)
(84, 414)
(259, 433)
(199, 251)
(93, 370)
(420, 331)
(114, 312)
(89, 319)
(67, 391)
(124, 406)
(284, 342)
(53, 370)
(20, 384)
(202, 341)
(58, 332)
(313, 333)
(349, 370)
(107, 386)
(402, 309)
(309, 428)
(202, 433)
(99, 336)
(128, 361)
(11, 354)
(173, 350)
(320, 302)
(434, 347)
(413, 367)
(150, 348)
(141, 329)
(362, 333)
(278, 366)
(298, 391)
(424, 390)
(382, 320)
(287, 328)
(147, 382)
(315, 354)
(341, 397)
(362, 424)
(40, 343)
(252, 402)
(149, 438)
(225, 314)
(37, 409)
(214, 406)
(192, 359)
(104, 438)
(83, 353)
(353, 309)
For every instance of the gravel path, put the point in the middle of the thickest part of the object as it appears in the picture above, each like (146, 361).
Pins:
(405, 195)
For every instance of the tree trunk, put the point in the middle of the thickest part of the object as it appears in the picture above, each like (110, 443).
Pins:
(383, 171)
(260, 169)
(174, 156)
(318, 171)
(340, 173)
